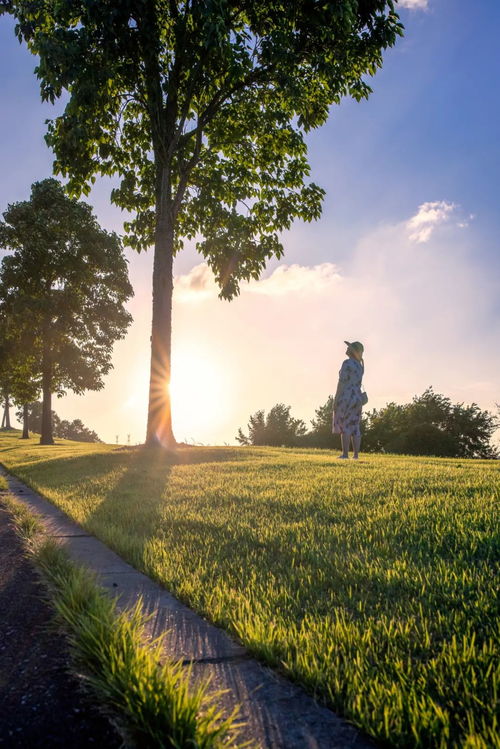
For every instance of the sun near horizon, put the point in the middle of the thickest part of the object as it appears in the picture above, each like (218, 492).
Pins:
(201, 391)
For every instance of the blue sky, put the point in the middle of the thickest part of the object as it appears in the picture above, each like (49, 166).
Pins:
(423, 148)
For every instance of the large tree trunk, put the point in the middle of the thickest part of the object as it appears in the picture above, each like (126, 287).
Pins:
(46, 437)
(6, 412)
(25, 435)
(159, 429)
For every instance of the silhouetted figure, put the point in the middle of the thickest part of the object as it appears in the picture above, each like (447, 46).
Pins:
(348, 400)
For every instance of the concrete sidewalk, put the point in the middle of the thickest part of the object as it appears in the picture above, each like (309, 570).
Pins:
(276, 713)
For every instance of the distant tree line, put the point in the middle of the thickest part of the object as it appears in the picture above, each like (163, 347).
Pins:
(429, 425)
(68, 430)
(63, 286)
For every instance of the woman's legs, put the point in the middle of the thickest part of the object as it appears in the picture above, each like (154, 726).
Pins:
(356, 444)
(346, 439)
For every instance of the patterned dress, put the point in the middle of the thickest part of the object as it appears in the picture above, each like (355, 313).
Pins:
(347, 414)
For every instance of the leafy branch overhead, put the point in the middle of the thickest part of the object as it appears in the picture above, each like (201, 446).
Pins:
(203, 106)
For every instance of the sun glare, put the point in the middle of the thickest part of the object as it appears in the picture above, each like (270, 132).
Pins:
(199, 390)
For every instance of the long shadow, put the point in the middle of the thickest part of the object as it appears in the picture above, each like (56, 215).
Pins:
(143, 471)
(97, 465)
(183, 456)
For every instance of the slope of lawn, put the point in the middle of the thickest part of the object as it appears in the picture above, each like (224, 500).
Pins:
(373, 583)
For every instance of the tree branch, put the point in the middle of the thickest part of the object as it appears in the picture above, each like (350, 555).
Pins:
(186, 171)
(149, 42)
(219, 99)
(207, 115)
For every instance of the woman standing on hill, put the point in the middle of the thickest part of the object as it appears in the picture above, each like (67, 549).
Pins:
(349, 400)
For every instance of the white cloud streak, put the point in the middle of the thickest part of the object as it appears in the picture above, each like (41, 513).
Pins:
(428, 217)
(414, 4)
(200, 284)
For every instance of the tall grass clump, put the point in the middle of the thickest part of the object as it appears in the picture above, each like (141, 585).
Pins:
(373, 583)
(160, 706)
(155, 705)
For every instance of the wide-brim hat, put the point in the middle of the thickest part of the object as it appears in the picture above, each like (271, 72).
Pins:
(356, 346)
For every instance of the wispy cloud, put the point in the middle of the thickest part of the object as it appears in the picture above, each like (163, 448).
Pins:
(199, 283)
(414, 4)
(196, 285)
(465, 222)
(427, 218)
(297, 279)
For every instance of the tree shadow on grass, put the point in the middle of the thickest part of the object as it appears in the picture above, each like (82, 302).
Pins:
(8, 449)
(132, 501)
(121, 491)
(95, 465)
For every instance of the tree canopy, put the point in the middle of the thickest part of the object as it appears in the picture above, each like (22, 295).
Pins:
(63, 289)
(277, 429)
(320, 434)
(201, 109)
(431, 425)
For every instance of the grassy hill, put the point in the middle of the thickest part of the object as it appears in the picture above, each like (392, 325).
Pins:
(371, 582)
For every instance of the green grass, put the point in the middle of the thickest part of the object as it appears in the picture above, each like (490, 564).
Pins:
(155, 706)
(372, 583)
(3, 484)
